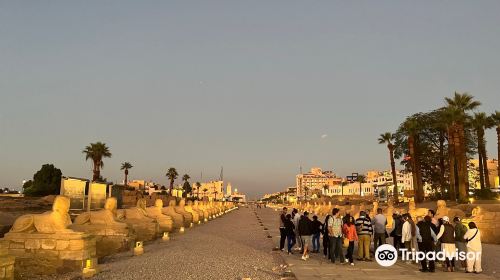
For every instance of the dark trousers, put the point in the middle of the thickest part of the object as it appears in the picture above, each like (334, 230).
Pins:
(397, 242)
(326, 246)
(427, 246)
(315, 241)
(282, 238)
(350, 252)
(336, 248)
(378, 239)
(291, 241)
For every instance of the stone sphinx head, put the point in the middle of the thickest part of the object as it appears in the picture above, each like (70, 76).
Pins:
(182, 202)
(441, 204)
(61, 205)
(190, 203)
(141, 203)
(171, 203)
(111, 205)
(196, 203)
(411, 205)
(159, 203)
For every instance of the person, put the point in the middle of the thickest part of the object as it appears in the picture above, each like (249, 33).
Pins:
(397, 229)
(417, 232)
(435, 222)
(379, 223)
(428, 238)
(409, 233)
(295, 220)
(364, 231)
(447, 237)
(316, 232)
(326, 238)
(474, 248)
(335, 235)
(350, 233)
(282, 228)
(460, 230)
(290, 232)
(305, 232)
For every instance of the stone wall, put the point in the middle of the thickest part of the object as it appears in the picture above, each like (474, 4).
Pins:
(45, 253)
(6, 262)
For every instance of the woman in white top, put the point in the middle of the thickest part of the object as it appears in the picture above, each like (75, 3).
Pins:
(447, 236)
(474, 249)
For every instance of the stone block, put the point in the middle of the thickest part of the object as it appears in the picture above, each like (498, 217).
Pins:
(49, 244)
(16, 245)
(32, 244)
(76, 245)
(62, 245)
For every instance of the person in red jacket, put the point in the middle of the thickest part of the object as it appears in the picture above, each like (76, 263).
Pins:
(350, 234)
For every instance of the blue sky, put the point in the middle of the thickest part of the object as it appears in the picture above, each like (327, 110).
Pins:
(248, 85)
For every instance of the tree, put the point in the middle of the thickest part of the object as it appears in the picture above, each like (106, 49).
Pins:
(388, 138)
(496, 121)
(460, 104)
(96, 152)
(205, 190)
(198, 186)
(480, 122)
(186, 186)
(126, 166)
(46, 181)
(172, 175)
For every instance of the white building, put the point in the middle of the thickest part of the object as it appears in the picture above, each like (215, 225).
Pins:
(314, 181)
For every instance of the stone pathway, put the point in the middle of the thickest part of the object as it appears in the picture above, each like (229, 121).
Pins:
(317, 267)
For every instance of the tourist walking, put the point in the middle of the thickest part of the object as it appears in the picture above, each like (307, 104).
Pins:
(447, 237)
(290, 232)
(364, 230)
(295, 220)
(282, 228)
(474, 249)
(379, 223)
(350, 234)
(427, 239)
(397, 230)
(316, 233)
(409, 233)
(326, 238)
(335, 235)
(305, 232)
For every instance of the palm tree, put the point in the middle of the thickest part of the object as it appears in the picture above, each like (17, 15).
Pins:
(411, 127)
(306, 189)
(388, 138)
(198, 186)
(205, 190)
(496, 120)
(186, 177)
(480, 122)
(186, 186)
(460, 104)
(325, 188)
(172, 175)
(126, 166)
(216, 193)
(96, 151)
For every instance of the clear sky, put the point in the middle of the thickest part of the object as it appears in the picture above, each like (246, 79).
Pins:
(259, 87)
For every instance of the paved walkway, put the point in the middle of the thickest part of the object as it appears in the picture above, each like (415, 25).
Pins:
(317, 267)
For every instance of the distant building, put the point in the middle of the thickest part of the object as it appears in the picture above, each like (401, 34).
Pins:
(492, 173)
(381, 179)
(213, 190)
(314, 181)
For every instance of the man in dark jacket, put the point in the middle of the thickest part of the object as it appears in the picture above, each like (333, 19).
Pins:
(326, 239)
(282, 228)
(305, 232)
(427, 245)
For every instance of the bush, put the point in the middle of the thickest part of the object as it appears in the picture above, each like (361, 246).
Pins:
(485, 194)
(46, 181)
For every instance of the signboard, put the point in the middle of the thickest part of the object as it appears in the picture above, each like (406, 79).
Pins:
(97, 195)
(74, 189)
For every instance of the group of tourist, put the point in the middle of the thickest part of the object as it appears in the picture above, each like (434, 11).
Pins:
(427, 234)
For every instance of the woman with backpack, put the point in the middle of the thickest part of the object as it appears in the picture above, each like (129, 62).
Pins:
(474, 249)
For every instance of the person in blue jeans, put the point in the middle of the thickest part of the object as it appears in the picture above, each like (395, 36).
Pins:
(316, 232)
(290, 232)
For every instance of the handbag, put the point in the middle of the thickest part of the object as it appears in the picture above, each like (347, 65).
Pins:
(345, 243)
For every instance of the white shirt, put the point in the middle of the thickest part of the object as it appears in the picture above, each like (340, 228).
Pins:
(406, 234)
(474, 244)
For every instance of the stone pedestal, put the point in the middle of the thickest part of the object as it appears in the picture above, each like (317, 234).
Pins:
(6, 262)
(109, 239)
(50, 253)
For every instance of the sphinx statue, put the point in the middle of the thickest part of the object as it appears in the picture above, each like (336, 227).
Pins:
(178, 219)
(55, 221)
(203, 213)
(111, 235)
(146, 228)
(165, 222)
(188, 217)
(195, 214)
(442, 211)
(374, 209)
(416, 212)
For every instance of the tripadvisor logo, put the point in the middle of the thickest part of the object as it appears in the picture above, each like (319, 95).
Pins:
(386, 255)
